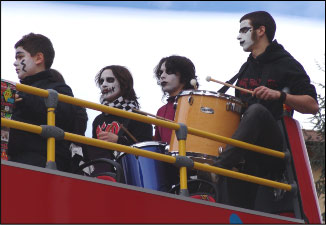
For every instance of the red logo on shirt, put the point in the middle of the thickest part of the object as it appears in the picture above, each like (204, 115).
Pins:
(112, 127)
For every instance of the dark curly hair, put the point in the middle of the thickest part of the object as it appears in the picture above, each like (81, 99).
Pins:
(181, 65)
(34, 43)
(125, 79)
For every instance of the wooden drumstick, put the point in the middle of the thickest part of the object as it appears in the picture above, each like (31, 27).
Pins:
(229, 85)
(129, 134)
(148, 114)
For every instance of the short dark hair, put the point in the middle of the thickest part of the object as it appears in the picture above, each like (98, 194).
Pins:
(180, 64)
(262, 18)
(34, 43)
(125, 79)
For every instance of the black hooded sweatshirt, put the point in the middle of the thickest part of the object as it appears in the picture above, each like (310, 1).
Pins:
(281, 70)
(32, 109)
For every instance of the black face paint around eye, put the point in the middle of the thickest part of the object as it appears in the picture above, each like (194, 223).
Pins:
(24, 65)
(110, 79)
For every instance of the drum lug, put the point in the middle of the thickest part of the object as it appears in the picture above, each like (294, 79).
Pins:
(232, 106)
(175, 105)
(220, 150)
(190, 100)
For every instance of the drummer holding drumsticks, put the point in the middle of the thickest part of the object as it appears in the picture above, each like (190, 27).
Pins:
(268, 70)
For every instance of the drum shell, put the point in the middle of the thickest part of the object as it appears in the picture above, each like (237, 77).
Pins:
(145, 172)
(212, 112)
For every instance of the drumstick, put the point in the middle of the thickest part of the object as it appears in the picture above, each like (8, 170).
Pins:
(148, 114)
(229, 85)
(129, 134)
(193, 82)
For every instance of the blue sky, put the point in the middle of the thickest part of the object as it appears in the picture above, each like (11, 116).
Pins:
(310, 9)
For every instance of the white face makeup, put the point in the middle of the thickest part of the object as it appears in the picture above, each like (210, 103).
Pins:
(109, 85)
(170, 82)
(245, 35)
(25, 63)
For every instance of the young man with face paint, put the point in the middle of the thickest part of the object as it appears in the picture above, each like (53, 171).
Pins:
(173, 74)
(116, 85)
(34, 57)
(269, 70)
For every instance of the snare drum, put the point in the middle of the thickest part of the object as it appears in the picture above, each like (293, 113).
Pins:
(145, 172)
(209, 111)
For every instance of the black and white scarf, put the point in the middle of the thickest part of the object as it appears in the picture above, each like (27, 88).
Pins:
(121, 103)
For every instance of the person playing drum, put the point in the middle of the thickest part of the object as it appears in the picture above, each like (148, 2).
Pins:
(268, 70)
(173, 74)
(116, 85)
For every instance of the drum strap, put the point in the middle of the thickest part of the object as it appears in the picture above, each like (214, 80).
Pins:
(233, 79)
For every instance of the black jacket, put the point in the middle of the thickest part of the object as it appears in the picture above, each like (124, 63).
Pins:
(281, 70)
(141, 131)
(32, 109)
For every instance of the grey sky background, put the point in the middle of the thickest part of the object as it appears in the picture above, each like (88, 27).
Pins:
(90, 35)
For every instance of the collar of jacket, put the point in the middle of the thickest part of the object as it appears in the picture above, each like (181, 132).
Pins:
(36, 77)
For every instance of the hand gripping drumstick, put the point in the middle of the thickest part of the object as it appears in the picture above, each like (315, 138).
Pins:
(229, 85)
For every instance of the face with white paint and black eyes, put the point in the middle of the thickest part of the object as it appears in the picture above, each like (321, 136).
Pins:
(26, 65)
(246, 35)
(170, 82)
(109, 85)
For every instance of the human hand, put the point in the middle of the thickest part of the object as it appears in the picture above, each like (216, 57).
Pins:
(266, 93)
(107, 136)
(17, 98)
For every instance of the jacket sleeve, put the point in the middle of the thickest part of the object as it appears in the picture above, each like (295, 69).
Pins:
(299, 80)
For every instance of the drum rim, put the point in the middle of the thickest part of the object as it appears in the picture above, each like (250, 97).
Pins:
(148, 143)
(210, 93)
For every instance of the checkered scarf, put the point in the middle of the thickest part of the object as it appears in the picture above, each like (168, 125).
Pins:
(121, 103)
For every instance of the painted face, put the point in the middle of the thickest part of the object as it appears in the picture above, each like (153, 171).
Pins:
(170, 82)
(245, 35)
(25, 63)
(109, 85)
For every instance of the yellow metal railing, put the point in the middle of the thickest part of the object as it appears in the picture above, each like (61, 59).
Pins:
(145, 153)
(153, 155)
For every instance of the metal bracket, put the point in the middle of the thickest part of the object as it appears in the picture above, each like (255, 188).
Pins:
(51, 165)
(184, 192)
(287, 156)
(52, 100)
(183, 161)
(181, 133)
(294, 188)
(52, 131)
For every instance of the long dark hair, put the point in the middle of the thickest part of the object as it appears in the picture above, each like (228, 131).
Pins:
(125, 79)
(178, 64)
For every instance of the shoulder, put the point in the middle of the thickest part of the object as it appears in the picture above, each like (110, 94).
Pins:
(98, 118)
(61, 88)
(161, 109)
